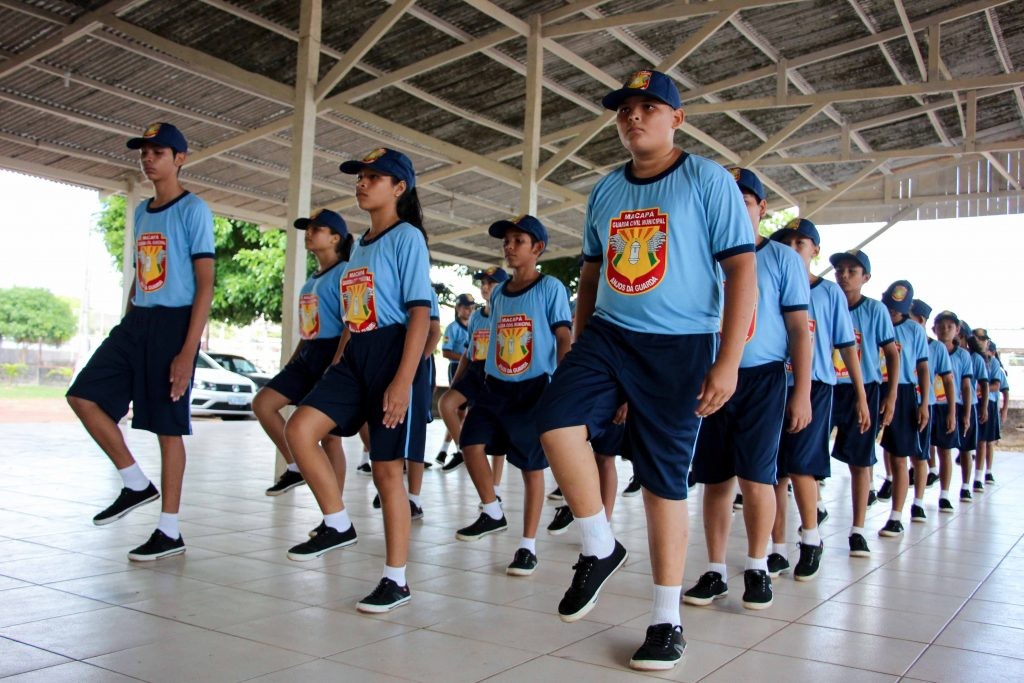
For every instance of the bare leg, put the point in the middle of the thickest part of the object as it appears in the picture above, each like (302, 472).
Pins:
(860, 483)
(533, 501)
(103, 430)
(900, 482)
(172, 472)
(575, 468)
(966, 467)
(415, 477)
(448, 406)
(303, 432)
(497, 468)
(609, 478)
(945, 468)
(336, 454)
(480, 472)
(805, 491)
(920, 478)
(387, 476)
(887, 459)
(267, 406)
(779, 526)
(668, 531)
(758, 515)
(717, 519)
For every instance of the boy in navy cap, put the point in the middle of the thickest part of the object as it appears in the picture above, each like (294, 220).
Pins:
(529, 334)
(803, 456)
(902, 437)
(148, 359)
(947, 328)
(874, 336)
(741, 441)
(658, 235)
(453, 346)
(979, 408)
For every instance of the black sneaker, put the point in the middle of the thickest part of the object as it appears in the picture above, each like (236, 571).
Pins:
(556, 494)
(441, 457)
(892, 529)
(523, 563)
(777, 564)
(376, 502)
(632, 489)
(365, 470)
(885, 490)
(126, 501)
(945, 505)
(483, 526)
(810, 561)
(563, 518)
(662, 649)
(427, 465)
(710, 586)
(979, 487)
(917, 515)
(326, 540)
(158, 546)
(989, 479)
(858, 546)
(385, 597)
(287, 482)
(872, 497)
(932, 478)
(320, 527)
(965, 496)
(757, 593)
(737, 503)
(415, 511)
(454, 462)
(591, 575)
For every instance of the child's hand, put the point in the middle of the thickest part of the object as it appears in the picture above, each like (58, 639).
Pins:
(798, 414)
(396, 403)
(181, 374)
(950, 421)
(983, 414)
(863, 416)
(888, 408)
(717, 388)
(922, 417)
(621, 414)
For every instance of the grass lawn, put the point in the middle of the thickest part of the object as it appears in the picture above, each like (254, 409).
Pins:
(26, 391)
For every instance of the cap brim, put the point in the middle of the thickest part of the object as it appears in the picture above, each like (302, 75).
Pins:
(302, 223)
(783, 233)
(352, 167)
(750, 190)
(499, 228)
(835, 259)
(137, 143)
(613, 99)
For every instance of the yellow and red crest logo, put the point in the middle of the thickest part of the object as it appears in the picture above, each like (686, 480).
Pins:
(899, 293)
(358, 300)
(637, 251)
(940, 390)
(639, 80)
(480, 343)
(152, 131)
(514, 349)
(735, 170)
(309, 316)
(151, 261)
(793, 224)
(374, 155)
(837, 360)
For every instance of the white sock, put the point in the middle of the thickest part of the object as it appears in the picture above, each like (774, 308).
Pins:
(933, 470)
(598, 539)
(980, 474)
(856, 530)
(888, 478)
(497, 491)
(365, 460)
(781, 549)
(821, 505)
(493, 510)
(415, 498)
(666, 605)
(169, 524)
(919, 502)
(756, 563)
(445, 445)
(943, 495)
(811, 537)
(134, 478)
(895, 515)
(293, 467)
(720, 568)
(338, 520)
(396, 574)
(528, 543)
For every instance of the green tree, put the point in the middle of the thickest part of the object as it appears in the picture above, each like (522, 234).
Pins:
(776, 220)
(565, 269)
(32, 315)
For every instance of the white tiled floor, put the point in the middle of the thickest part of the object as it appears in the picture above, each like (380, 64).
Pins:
(944, 603)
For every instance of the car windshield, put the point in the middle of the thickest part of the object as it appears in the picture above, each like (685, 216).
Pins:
(203, 363)
(244, 365)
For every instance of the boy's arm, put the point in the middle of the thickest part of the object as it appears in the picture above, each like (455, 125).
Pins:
(396, 396)
(798, 408)
(965, 394)
(586, 295)
(947, 382)
(924, 384)
(892, 364)
(849, 356)
(740, 293)
(183, 364)
(346, 334)
(131, 295)
(983, 402)
(461, 370)
(433, 335)
(1005, 409)
(563, 340)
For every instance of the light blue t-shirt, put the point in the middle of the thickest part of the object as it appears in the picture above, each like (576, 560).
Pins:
(659, 241)
(830, 325)
(980, 375)
(320, 304)
(872, 329)
(962, 367)
(912, 343)
(386, 276)
(479, 330)
(939, 365)
(456, 338)
(435, 308)
(167, 240)
(781, 288)
(523, 328)
(996, 374)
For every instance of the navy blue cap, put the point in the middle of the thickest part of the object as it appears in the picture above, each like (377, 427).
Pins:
(494, 274)
(918, 307)
(748, 180)
(980, 333)
(387, 161)
(899, 296)
(527, 223)
(855, 254)
(648, 83)
(947, 315)
(465, 300)
(326, 218)
(801, 227)
(162, 134)
(965, 329)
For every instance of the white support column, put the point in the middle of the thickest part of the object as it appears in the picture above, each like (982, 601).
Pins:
(531, 124)
(131, 200)
(301, 179)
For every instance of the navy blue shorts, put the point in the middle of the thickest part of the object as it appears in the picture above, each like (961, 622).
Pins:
(422, 407)
(989, 431)
(939, 437)
(926, 435)
(301, 374)
(133, 365)
(851, 446)
(610, 440)
(968, 441)
(901, 437)
(742, 438)
(453, 365)
(471, 383)
(351, 393)
(806, 452)
(504, 420)
(659, 375)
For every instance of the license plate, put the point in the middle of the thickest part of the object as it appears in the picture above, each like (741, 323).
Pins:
(238, 400)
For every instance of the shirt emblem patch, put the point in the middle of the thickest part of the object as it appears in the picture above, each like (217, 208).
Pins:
(514, 350)
(358, 299)
(637, 251)
(151, 261)
(309, 316)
